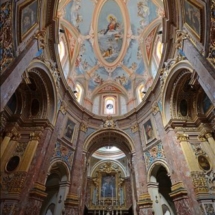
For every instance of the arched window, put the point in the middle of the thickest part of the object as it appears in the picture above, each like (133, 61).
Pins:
(110, 105)
(79, 92)
(159, 49)
(140, 93)
(61, 50)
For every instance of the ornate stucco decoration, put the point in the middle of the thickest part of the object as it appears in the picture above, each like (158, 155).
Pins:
(198, 150)
(199, 182)
(63, 108)
(109, 123)
(135, 128)
(40, 36)
(153, 154)
(155, 109)
(83, 127)
(182, 137)
(108, 168)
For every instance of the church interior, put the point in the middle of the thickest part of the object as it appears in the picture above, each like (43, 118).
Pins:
(107, 107)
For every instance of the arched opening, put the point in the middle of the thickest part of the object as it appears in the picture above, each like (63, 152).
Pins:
(109, 184)
(57, 186)
(160, 188)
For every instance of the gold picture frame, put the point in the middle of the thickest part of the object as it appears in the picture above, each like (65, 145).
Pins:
(193, 19)
(69, 129)
(28, 18)
(148, 130)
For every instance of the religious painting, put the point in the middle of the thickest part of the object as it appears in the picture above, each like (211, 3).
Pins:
(204, 163)
(110, 31)
(108, 186)
(28, 17)
(192, 18)
(148, 130)
(69, 129)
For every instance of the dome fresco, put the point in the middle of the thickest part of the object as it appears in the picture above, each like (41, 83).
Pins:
(112, 43)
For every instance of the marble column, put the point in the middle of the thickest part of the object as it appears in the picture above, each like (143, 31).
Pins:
(74, 203)
(211, 141)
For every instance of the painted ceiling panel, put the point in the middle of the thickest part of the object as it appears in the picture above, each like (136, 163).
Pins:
(112, 34)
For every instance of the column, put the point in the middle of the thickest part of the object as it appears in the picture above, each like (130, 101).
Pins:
(180, 198)
(145, 205)
(29, 152)
(5, 142)
(75, 202)
(188, 151)
(9, 149)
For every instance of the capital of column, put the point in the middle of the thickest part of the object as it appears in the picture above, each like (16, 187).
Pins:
(202, 138)
(72, 200)
(16, 136)
(182, 137)
(178, 190)
(145, 201)
(38, 191)
(35, 136)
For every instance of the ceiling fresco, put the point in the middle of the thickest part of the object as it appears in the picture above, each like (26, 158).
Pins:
(111, 41)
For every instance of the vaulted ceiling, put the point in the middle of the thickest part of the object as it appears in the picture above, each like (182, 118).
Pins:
(111, 45)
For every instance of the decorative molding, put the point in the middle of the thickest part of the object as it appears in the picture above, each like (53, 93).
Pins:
(72, 200)
(109, 123)
(178, 190)
(199, 182)
(13, 182)
(145, 201)
(35, 136)
(38, 191)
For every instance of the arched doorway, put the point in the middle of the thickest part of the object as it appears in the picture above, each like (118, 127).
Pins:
(159, 187)
(57, 186)
(109, 185)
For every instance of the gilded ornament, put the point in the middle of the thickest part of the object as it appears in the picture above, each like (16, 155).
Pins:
(83, 127)
(109, 123)
(135, 128)
(182, 137)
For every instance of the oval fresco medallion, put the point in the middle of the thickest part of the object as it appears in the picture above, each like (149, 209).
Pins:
(110, 31)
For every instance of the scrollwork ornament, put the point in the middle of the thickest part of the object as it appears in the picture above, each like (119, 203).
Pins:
(135, 128)
(202, 138)
(83, 127)
(35, 136)
(16, 136)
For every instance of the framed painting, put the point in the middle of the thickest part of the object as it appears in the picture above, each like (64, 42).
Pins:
(28, 16)
(69, 130)
(193, 15)
(149, 131)
(108, 186)
(204, 163)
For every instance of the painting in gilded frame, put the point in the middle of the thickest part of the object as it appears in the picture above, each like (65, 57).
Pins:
(28, 17)
(69, 130)
(108, 186)
(149, 131)
(193, 18)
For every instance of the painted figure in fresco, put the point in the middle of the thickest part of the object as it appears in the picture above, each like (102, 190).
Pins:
(204, 163)
(112, 24)
(108, 52)
(149, 131)
(69, 130)
(108, 187)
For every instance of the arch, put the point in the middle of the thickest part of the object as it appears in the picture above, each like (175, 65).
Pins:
(170, 83)
(64, 169)
(154, 168)
(44, 72)
(102, 137)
